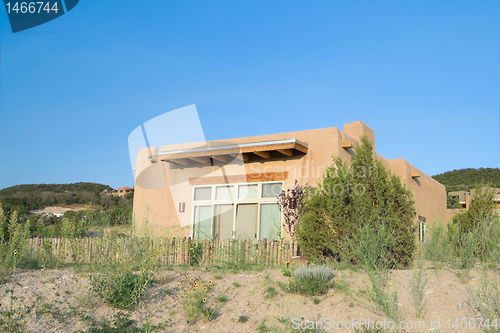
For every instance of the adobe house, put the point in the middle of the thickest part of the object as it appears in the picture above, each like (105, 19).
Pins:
(123, 190)
(464, 198)
(228, 189)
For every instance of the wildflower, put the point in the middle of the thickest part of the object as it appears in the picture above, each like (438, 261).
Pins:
(15, 251)
(205, 288)
(179, 284)
(204, 300)
(112, 325)
(210, 281)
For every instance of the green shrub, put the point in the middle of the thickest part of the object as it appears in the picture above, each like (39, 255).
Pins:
(286, 272)
(208, 313)
(120, 289)
(222, 299)
(370, 246)
(270, 292)
(313, 272)
(310, 280)
(243, 319)
(488, 239)
(122, 323)
(474, 235)
(486, 300)
(350, 196)
(418, 283)
(195, 295)
(13, 242)
(437, 247)
(195, 252)
(481, 208)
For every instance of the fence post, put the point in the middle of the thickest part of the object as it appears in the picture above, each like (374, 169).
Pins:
(188, 249)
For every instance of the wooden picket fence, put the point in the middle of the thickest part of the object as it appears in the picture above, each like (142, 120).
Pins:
(165, 251)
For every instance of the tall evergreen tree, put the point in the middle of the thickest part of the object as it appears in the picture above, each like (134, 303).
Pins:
(351, 196)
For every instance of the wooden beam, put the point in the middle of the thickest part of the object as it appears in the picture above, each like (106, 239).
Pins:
(415, 174)
(346, 144)
(244, 156)
(201, 159)
(234, 150)
(181, 161)
(287, 152)
(222, 154)
(301, 146)
(221, 158)
(263, 154)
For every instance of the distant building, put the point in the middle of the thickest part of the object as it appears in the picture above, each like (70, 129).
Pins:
(464, 198)
(123, 190)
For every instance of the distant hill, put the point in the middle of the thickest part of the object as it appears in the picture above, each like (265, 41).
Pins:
(40, 195)
(465, 179)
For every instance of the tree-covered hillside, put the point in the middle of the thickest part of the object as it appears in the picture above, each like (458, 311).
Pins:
(103, 209)
(39, 195)
(465, 179)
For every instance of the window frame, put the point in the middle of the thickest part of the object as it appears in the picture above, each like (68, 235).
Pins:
(235, 201)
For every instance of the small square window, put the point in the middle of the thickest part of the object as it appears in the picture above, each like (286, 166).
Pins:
(248, 191)
(202, 193)
(224, 192)
(272, 190)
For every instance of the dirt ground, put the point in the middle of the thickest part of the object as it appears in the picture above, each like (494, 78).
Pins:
(61, 209)
(57, 300)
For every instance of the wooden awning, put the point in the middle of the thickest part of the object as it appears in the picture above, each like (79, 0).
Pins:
(224, 153)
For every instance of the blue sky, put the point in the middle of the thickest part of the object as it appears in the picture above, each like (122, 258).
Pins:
(423, 75)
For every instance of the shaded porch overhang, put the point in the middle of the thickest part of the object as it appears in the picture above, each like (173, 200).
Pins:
(223, 153)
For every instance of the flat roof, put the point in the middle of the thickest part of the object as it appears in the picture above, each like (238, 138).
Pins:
(223, 152)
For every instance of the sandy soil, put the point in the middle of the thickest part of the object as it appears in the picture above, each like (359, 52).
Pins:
(56, 300)
(61, 209)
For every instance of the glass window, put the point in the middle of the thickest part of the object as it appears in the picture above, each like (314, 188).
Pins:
(223, 222)
(272, 190)
(224, 192)
(270, 219)
(203, 222)
(246, 221)
(248, 191)
(202, 193)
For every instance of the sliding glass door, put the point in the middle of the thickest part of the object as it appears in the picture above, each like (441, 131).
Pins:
(270, 221)
(223, 221)
(229, 211)
(246, 221)
(203, 222)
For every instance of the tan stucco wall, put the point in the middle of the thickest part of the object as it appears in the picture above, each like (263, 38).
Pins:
(429, 195)
(161, 204)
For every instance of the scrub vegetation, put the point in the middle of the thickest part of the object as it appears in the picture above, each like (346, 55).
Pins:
(351, 197)
(466, 179)
(98, 208)
(362, 252)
